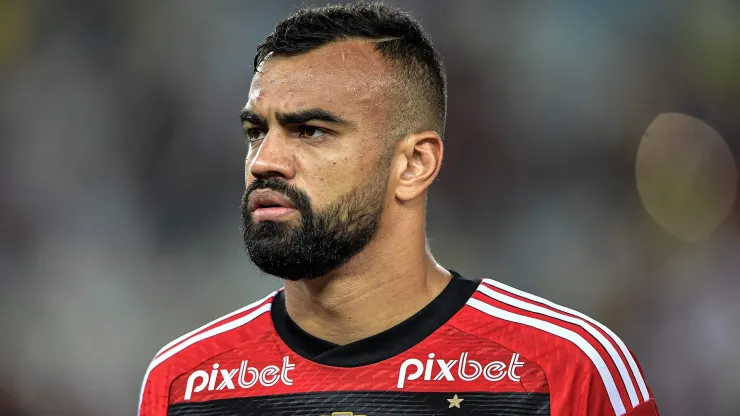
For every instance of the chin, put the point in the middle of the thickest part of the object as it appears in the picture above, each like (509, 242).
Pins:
(292, 273)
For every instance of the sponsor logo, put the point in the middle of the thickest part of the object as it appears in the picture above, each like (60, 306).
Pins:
(462, 369)
(243, 377)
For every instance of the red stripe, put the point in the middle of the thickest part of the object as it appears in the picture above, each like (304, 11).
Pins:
(541, 347)
(621, 388)
(591, 339)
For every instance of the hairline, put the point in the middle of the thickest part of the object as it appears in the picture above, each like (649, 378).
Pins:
(403, 96)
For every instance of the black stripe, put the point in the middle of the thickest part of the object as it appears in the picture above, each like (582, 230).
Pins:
(371, 403)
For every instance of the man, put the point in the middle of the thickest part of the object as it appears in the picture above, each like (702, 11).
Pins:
(344, 125)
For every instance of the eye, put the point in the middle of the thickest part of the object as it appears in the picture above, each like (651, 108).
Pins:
(255, 134)
(310, 132)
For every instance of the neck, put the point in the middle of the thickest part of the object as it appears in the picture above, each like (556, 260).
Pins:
(385, 284)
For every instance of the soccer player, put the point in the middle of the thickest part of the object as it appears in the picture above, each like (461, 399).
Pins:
(344, 125)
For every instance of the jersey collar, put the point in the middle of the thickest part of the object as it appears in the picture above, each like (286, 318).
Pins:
(382, 346)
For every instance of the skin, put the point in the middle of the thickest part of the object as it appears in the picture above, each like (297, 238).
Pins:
(395, 275)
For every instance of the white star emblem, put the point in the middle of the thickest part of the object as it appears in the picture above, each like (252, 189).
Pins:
(455, 402)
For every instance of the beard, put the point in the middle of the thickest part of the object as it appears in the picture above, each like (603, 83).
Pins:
(325, 239)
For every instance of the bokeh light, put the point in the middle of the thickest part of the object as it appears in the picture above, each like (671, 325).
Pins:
(686, 176)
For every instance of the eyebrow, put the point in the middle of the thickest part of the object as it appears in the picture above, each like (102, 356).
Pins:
(252, 117)
(297, 117)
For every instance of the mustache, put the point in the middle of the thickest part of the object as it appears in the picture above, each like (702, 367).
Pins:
(299, 198)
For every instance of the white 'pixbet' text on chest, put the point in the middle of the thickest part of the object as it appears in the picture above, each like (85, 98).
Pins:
(467, 370)
(246, 377)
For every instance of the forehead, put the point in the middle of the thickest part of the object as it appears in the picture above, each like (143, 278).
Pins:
(344, 77)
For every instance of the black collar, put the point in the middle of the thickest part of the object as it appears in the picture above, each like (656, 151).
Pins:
(379, 347)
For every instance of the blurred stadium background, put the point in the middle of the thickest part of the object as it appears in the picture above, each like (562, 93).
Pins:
(121, 172)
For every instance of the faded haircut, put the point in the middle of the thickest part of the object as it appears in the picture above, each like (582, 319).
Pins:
(422, 97)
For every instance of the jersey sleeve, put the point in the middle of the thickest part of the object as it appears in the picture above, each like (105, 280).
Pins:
(648, 408)
(598, 397)
(596, 402)
(153, 398)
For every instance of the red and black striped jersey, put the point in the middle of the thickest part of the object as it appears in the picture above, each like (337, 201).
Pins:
(479, 348)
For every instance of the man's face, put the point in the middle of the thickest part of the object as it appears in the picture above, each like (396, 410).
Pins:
(316, 171)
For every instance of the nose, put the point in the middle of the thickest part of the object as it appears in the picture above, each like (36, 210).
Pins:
(272, 158)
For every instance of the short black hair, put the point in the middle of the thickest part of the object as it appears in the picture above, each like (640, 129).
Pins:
(398, 37)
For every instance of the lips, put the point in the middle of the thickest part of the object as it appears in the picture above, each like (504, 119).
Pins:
(266, 198)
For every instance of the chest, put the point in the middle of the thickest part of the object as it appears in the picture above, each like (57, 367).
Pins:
(429, 379)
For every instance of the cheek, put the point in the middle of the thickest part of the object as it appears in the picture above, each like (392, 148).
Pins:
(344, 175)
(331, 180)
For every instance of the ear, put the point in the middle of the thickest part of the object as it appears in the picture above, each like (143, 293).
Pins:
(419, 164)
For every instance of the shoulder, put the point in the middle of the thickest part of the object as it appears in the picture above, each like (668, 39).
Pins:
(221, 326)
(572, 348)
(206, 341)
